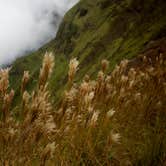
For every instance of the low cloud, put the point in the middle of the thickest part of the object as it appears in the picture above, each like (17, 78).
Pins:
(26, 25)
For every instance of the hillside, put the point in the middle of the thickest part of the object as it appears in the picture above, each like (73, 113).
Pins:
(93, 30)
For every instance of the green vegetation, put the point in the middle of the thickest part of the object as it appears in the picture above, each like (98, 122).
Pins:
(93, 30)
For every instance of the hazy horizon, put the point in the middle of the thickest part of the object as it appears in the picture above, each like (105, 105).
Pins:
(27, 24)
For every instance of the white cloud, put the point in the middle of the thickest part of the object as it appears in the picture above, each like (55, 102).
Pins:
(27, 24)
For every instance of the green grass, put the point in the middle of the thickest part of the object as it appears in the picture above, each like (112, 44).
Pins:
(115, 31)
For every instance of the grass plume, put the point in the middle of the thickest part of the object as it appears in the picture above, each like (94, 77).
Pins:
(92, 125)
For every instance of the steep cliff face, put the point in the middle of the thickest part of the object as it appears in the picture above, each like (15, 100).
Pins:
(93, 30)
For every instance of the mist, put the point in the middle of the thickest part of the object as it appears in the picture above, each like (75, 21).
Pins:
(25, 25)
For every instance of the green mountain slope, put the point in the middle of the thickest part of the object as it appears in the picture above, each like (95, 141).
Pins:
(93, 30)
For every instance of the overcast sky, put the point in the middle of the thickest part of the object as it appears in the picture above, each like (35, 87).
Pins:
(27, 24)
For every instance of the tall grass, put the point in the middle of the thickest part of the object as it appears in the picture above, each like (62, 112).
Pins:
(84, 128)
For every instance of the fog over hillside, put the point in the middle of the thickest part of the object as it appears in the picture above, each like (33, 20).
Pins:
(25, 25)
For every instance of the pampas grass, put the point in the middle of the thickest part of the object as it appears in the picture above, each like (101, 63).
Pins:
(84, 129)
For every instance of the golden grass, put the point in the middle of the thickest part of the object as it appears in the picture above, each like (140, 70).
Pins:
(82, 130)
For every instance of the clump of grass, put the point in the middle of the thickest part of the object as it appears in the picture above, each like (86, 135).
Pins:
(81, 130)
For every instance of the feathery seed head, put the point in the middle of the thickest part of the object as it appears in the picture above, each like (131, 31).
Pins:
(94, 118)
(124, 79)
(47, 68)
(122, 92)
(26, 76)
(9, 97)
(144, 59)
(90, 109)
(108, 79)
(50, 149)
(89, 97)
(104, 65)
(115, 137)
(151, 70)
(100, 76)
(4, 80)
(110, 113)
(71, 95)
(73, 67)
(137, 96)
(48, 61)
(26, 97)
(86, 78)
(131, 84)
(84, 87)
(25, 80)
(124, 64)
